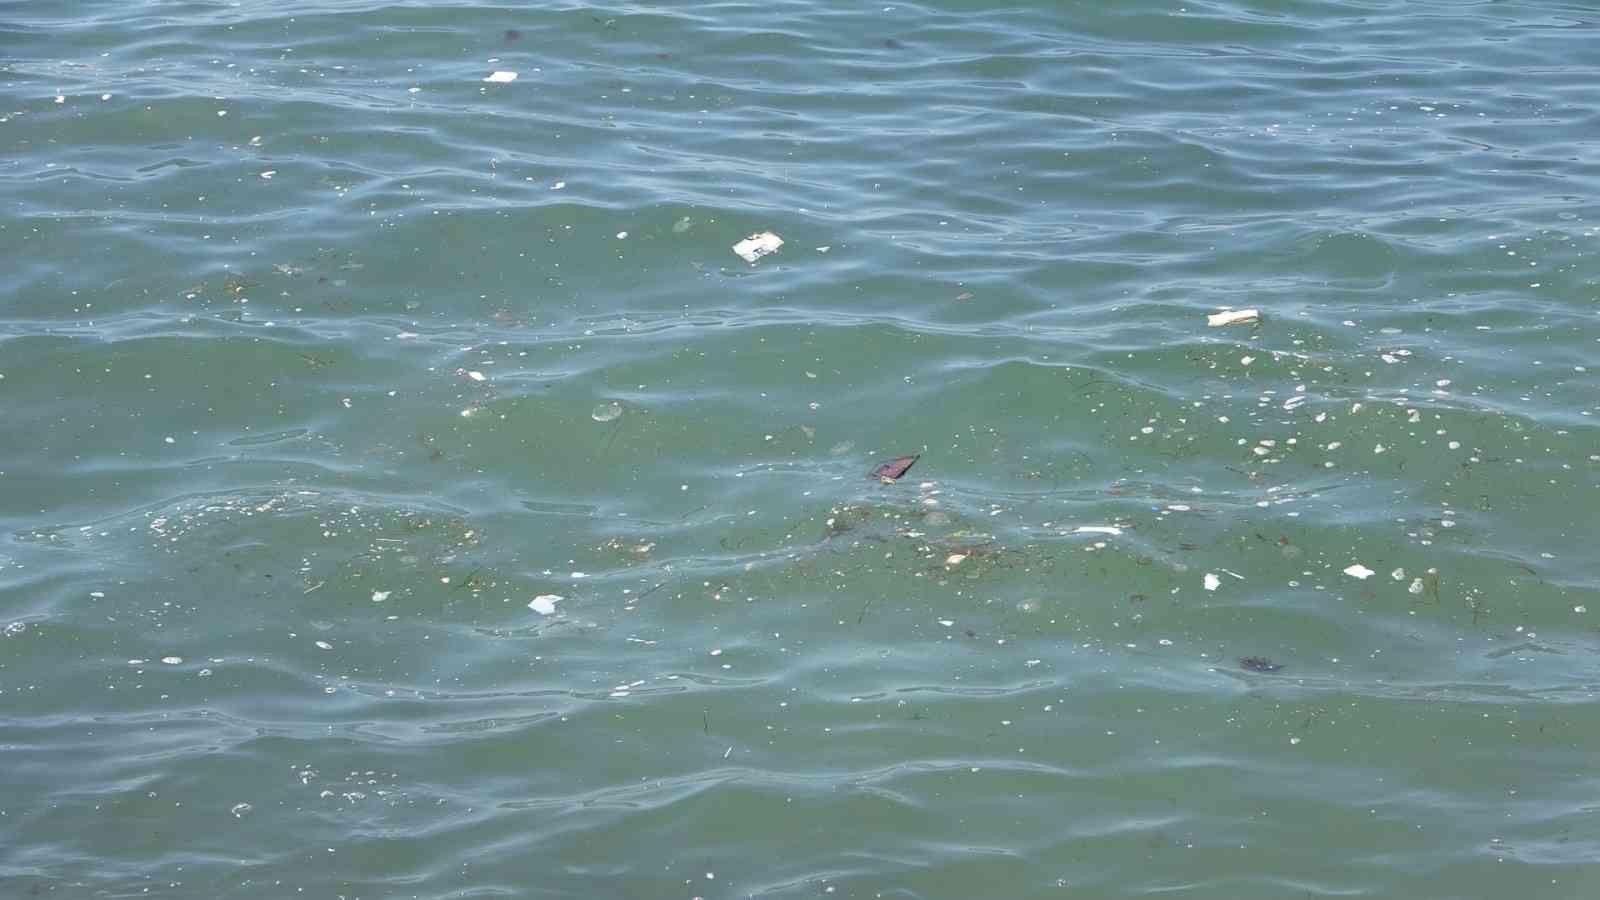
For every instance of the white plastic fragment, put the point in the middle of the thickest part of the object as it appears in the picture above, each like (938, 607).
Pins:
(501, 77)
(1358, 571)
(1233, 317)
(1212, 581)
(545, 604)
(757, 245)
(955, 559)
(380, 596)
(1097, 529)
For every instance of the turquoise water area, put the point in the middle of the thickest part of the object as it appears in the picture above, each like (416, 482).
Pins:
(407, 492)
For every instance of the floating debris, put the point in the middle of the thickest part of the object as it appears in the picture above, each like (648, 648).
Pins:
(606, 412)
(501, 77)
(892, 470)
(1212, 582)
(1358, 571)
(757, 245)
(1234, 317)
(545, 604)
(1112, 530)
(1259, 664)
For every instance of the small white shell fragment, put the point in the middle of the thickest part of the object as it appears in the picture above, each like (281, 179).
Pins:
(1233, 317)
(757, 245)
(501, 77)
(380, 596)
(1358, 571)
(545, 604)
(1097, 529)
(1212, 581)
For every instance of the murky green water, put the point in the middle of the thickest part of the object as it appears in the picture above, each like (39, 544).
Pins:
(406, 492)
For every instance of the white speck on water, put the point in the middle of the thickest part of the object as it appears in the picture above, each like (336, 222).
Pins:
(15, 628)
(501, 77)
(172, 660)
(545, 604)
(1097, 529)
(717, 652)
(1580, 609)
(605, 412)
(1398, 574)
(269, 173)
(622, 235)
(1246, 360)
(380, 596)
(580, 574)
(1212, 582)
(477, 376)
(558, 186)
(948, 623)
(1359, 571)
(171, 440)
(324, 645)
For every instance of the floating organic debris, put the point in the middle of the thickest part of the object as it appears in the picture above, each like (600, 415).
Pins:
(892, 470)
(1259, 664)
(1234, 317)
(757, 245)
(606, 412)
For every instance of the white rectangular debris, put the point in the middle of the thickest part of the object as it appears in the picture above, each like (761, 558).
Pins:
(757, 245)
(1234, 317)
(501, 77)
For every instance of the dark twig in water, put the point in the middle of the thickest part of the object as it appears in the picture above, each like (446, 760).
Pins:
(705, 719)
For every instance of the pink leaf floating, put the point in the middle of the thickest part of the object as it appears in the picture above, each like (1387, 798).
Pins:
(895, 468)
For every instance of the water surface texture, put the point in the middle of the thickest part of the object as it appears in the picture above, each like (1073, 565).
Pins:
(406, 492)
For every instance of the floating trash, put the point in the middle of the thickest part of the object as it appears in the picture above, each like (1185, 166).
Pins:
(1358, 571)
(545, 604)
(890, 471)
(606, 412)
(1234, 317)
(501, 77)
(757, 245)
(1212, 582)
(1259, 664)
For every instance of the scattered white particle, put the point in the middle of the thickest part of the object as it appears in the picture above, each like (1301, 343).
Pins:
(1357, 570)
(545, 604)
(1212, 582)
